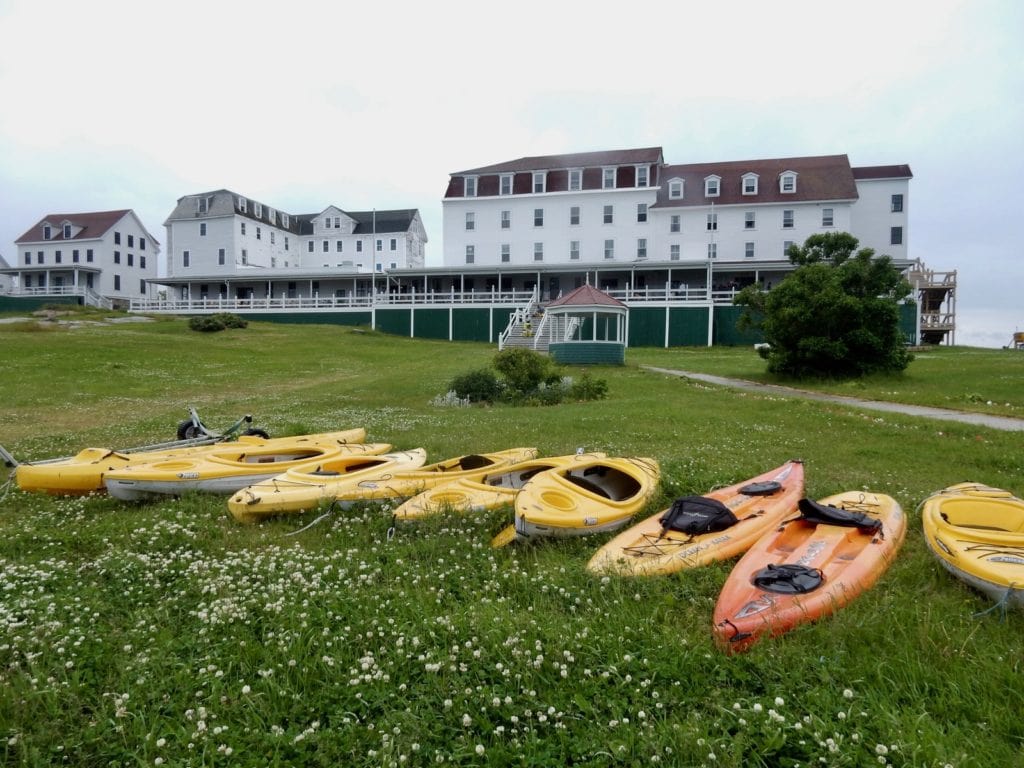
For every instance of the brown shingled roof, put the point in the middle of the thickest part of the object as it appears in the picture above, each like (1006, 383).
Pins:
(586, 296)
(883, 172)
(93, 225)
(576, 160)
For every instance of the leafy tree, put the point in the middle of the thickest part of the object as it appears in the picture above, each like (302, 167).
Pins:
(835, 315)
(524, 370)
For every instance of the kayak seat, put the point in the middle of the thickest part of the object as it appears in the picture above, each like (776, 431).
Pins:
(813, 512)
(474, 461)
(696, 515)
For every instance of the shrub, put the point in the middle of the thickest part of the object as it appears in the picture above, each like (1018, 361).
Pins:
(523, 369)
(480, 386)
(586, 387)
(217, 322)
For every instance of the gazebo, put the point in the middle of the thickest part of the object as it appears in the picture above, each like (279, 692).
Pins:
(593, 328)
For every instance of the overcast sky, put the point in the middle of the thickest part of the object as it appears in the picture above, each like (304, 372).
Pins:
(114, 104)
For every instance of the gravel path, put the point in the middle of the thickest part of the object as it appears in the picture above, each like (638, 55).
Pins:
(978, 419)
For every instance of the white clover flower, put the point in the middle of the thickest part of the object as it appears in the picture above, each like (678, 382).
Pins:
(480, 749)
(779, 701)
(847, 693)
(881, 749)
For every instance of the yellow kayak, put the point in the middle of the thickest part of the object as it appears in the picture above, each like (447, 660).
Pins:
(302, 489)
(84, 472)
(697, 530)
(226, 470)
(591, 496)
(487, 489)
(977, 534)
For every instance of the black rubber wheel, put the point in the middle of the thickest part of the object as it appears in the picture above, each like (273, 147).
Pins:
(187, 430)
(257, 433)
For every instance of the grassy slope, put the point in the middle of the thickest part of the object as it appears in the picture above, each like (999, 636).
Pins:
(343, 645)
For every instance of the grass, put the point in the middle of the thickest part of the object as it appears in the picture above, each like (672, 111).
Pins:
(167, 634)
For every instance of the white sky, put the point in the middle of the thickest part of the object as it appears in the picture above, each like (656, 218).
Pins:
(127, 104)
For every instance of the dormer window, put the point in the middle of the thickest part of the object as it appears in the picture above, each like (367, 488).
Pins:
(787, 182)
(272, 216)
(643, 176)
(750, 184)
(712, 186)
(257, 210)
(243, 204)
(203, 204)
(608, 178)
(540, 179)
(67, 231)
(469, 188)
(575, 179)
(505, 186)
(285, 219)
(675, 189)
(47, 232)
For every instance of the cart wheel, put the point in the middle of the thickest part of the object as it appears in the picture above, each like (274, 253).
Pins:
(187, 430)
(256, 433)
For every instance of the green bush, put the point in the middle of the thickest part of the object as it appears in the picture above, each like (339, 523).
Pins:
(586, 387)
(523, 369)
(217, 322)
(480, 386)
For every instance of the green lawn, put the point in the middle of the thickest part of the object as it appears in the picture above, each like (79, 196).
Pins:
(167, 634)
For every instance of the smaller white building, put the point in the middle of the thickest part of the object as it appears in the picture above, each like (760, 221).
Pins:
(104, 256)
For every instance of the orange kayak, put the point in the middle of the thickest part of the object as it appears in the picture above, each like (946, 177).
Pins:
(810, 566)
(697, 530)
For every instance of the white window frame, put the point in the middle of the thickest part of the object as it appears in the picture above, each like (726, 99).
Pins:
(787, 183)
(608, 177)
(575, 179)
(470, 254)
(641, 213)
(675, 189)
(538, 217)
(748, 249)
(574, 216)
(243, 204)
(608, 215)
(469, 186)
(506, 253)
(609, 248)
(712, 222)
(712, 250)
(643, 174)
(574, 250)
(505, 184)
(257, 210)
(538, 251)
(674, 252)
(675, 223)
(641, 247)
(749, 183)
(750, 220)
(712, 186)
(470, 221)
(506, 219)
(539, 184)
(828, 217)
(788, 218)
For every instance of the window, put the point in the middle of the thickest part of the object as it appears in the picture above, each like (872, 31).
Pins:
(506, 253)
(88, 254)
(712, 186)
(608, 178)
(896, 236)
(675, 223)
(609, 214)
(574, 250)
(272, 216)
(787, 219)
(28, 257)
(243, 204)
(257, 210)
(712, 250)
(470, 254)
(380, 245)
(245, 257)
(748, 250)
(285, 220)
(359, 246)
(787, 183)
(712, 223)
(574, 215)
(39, 257)
(202, 229)
(469, 186)
(539, 182)
(750, 184)
(505, 187)
(142, 287)
(339, 246)
(609, 249)
(117, 256)
(58, 257)
(142, 262)
(641, 248)
(67, 232)
(325, 246)
(74, 256)
(641, 212)
(538, 217)
(643, 175)
(203, 204)
(131, 260)
(286, 242)
(675, 189)
(273, 238)
(897, 203)
(827, 219)
(117, 238)
(393, 244)
(506, 219)
(750, 220)
(538, 251)
(142, 243)
(470, 220)
(48, 233)
(786, 245)
(309, 246)
(117, 282)
(220, 256)
(259, 233)
(673, 252)
(393, 265)
(131, 241)
(185, 258)
(243, 228)
(575, 180)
